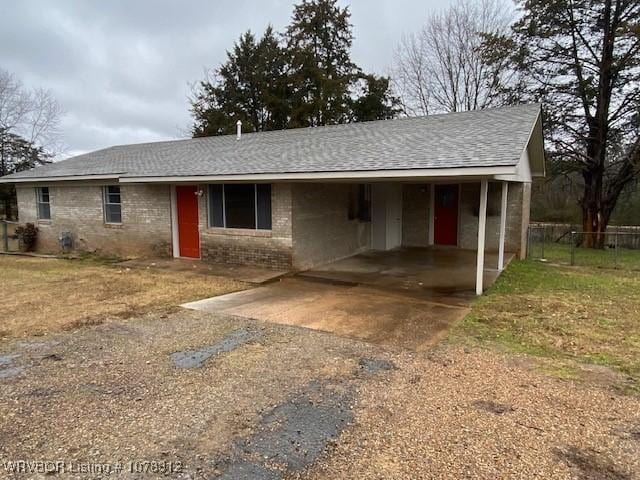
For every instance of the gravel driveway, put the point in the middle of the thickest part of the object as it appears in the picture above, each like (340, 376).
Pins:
(206, 396)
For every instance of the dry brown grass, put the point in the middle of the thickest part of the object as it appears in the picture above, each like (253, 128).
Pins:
(45, 295)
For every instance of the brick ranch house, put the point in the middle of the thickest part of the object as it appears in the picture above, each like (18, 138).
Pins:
(294, 199)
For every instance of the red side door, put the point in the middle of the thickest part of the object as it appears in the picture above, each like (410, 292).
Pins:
(187, 209)
(446, 215)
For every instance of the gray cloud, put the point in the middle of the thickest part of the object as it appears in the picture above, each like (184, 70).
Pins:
(122, 69)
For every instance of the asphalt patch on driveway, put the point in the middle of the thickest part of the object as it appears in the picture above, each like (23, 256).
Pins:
(8, 369)
(492, 407)
(374, 365)
(293, 434)
(196, 358)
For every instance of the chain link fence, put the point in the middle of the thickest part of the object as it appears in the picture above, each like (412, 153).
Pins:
(619, 247)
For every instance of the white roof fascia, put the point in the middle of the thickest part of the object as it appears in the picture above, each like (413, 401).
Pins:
(334, 176)
(59, 179)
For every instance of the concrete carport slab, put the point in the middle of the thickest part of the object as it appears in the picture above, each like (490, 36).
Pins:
(407, 297)
(386, 317)
(446, 273)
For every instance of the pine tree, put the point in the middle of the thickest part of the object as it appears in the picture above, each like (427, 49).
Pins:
(250, 86)
(375, 102)
(319, 40)
(307, 80)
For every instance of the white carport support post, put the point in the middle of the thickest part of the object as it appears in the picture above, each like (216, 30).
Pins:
(482, 226)
(503, 225)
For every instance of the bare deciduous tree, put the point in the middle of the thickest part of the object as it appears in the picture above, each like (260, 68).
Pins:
(34, 115)
(442, 69)
(29, 133)
(582, 59)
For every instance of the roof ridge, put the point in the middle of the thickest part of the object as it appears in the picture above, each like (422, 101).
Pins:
(331, 126)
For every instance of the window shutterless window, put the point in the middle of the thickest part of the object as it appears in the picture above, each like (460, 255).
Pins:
(112, 204)
(360, 202)
(44, 206)
(240, 205)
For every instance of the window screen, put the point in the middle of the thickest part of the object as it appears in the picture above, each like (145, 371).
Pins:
(240, 206)
(216, 206)
(112, 204)
(263, 198)
(44, 205)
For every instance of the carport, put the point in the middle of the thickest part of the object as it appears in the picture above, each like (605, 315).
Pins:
(445, 235)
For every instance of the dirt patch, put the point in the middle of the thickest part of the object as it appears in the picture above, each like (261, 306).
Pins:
(590, 464)
(114, 393)
(48, 295)
(197, 358)
(420, 422)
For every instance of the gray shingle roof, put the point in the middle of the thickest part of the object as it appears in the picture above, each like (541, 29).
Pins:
(483, 138)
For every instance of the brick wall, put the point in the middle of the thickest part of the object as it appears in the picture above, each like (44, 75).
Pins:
(146, 219)
(321, 228)
(415, 216)
(310, 223)
(251, 247)
(517, 206)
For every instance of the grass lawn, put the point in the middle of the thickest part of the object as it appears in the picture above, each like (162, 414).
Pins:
(42, 295)
(574, 317)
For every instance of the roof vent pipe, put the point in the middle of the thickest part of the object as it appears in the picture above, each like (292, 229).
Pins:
(238, 129)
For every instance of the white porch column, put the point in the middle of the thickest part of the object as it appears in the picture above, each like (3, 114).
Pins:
(482, 225)
(503, 225)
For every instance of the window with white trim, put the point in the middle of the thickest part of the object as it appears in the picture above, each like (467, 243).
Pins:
(43, 202)
(240, 205)
(112, 204)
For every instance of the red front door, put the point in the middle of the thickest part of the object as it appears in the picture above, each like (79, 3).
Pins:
(445, 218)
(187, 209)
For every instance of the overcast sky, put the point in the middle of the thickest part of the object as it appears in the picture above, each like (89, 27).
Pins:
(121, 69)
